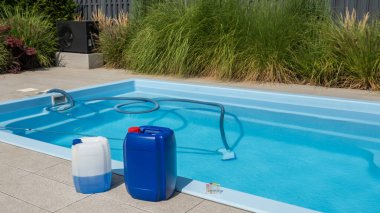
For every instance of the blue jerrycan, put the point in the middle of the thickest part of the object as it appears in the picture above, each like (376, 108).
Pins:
(150, 167)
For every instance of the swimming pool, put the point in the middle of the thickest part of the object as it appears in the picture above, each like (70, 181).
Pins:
(314, 152)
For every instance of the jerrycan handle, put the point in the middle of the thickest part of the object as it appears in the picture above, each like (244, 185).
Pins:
(151, 131)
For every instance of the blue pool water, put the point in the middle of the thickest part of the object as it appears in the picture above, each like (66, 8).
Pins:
(307, 156)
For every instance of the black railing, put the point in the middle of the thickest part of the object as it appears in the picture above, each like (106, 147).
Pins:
(361, 7)
(111, 8)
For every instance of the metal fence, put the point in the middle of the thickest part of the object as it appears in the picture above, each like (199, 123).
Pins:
(112, 8)
(361, 7)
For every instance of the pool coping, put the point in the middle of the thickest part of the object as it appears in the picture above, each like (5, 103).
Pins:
(193, 187)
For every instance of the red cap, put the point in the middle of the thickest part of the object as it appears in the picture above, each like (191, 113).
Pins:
(135, 129)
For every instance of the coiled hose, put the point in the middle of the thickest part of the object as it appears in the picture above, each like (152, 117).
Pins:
(71, 103)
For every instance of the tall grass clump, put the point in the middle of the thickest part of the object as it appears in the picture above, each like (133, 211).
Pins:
(229, 39)
(354, 50)
(286, 41)
(34, 29)
(278, 34)
(141, 8)
(113, 37)
(150, 47)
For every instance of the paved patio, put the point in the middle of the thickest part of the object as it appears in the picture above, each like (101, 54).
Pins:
(66, 78)
(35, 182)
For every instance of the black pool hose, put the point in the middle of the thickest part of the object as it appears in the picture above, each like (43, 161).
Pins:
(221, 117)
(155, 107)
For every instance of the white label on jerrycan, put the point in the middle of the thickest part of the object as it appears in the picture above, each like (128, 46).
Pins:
(91, 157)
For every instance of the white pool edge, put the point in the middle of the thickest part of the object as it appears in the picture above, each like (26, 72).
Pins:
(367, 106)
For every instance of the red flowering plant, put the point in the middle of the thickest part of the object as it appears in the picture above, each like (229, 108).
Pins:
(21, 56)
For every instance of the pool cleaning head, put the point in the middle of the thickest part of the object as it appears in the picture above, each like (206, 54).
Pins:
(227, 153)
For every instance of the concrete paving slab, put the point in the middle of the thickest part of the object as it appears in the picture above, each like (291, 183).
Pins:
(42, 192)
(14, 154)
(178, 203)
(9, 173)
(208, 206)
(99, 204)
(6, 147)
(28, 160)
(62, 173)
(10, 204)
(64, 78)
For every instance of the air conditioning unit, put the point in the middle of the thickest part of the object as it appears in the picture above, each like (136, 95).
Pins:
(77, 36)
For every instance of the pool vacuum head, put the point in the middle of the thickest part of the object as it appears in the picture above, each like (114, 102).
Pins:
(227, 154)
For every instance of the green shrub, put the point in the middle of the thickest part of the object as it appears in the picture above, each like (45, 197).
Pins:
(267, 40)
(34, 30)
(113, 37)
(11, 3)
(112, 45)
(4, 52)
(146, 55)
(55, 10)
(272, 34)
(4, 58)
(354, 50)
(228, 39)
(141, 8)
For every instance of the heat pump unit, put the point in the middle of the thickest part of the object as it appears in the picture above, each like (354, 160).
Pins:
(77, 36)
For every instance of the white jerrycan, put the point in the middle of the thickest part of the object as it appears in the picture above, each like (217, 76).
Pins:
(91, 164)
